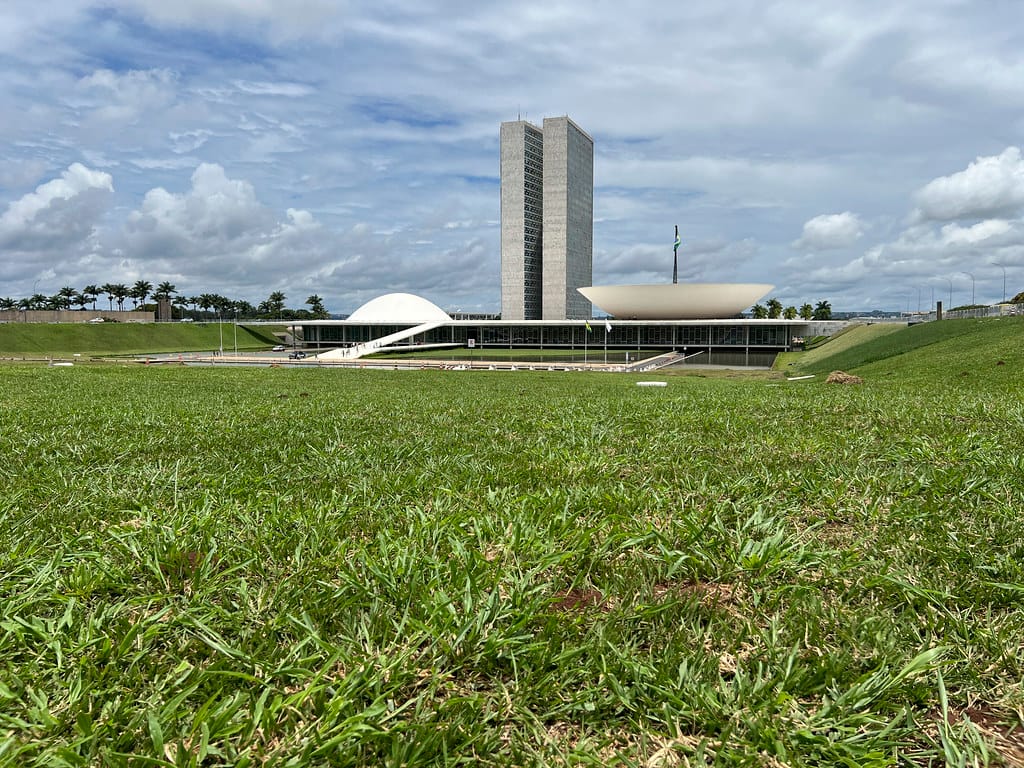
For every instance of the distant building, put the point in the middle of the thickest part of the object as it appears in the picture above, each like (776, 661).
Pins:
(547, 220)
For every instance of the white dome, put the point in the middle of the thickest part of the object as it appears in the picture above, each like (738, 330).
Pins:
(399, 309)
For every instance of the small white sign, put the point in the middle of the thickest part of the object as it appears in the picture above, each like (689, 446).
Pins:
(471, 343)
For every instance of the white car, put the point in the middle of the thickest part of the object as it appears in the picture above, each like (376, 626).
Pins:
(278, 348)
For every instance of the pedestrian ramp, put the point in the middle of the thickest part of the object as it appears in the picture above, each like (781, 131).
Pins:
(657, 362)
(376, 345)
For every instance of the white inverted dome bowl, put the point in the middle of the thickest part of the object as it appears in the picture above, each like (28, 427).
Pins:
(676, 301)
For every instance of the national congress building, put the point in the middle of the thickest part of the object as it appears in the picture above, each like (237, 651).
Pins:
(547, 202)
(547, 220)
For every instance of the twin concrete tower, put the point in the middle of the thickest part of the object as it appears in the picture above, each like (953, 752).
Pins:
(547, 220)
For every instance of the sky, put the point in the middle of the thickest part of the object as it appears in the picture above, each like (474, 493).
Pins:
(859, 152)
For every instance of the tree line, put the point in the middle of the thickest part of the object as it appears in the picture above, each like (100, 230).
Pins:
(773, 309)
(205, 306)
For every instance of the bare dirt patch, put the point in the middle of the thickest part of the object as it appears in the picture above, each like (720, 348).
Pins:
(1007, 738)
(712, 594)
(579, 601)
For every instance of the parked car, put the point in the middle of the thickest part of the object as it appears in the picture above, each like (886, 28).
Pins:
(297, 356)
(278, 348)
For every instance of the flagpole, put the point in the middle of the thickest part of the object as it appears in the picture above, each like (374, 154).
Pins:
(606, 342)
(585, 334)
(675, 258)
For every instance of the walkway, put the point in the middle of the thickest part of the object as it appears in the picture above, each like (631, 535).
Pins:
(376, 345)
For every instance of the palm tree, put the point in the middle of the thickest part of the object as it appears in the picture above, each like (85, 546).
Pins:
(206, 301)
(140, 291)
(789, 313)
(774, 308)
(108, 288)
(120, 293)
(65, 297)
(164, 290)
(244, 309)
(163, 293)
(759, 312)
(276, 303)
(181, 302)
(92, 292)
(82, 299)
(806, 312)
(823, 311)
(316, 306)
(225, 306)
(7, 303)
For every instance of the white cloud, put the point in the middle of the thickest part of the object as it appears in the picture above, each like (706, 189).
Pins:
(828, 231)
(988, 187)
(988, 231)
(216, 211)
(189, 141)
(124, 97)
(293, 90)
(63, 210)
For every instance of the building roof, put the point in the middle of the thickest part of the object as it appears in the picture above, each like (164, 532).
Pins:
(399, 308)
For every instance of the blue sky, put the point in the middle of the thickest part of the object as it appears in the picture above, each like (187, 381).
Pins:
(867, 153)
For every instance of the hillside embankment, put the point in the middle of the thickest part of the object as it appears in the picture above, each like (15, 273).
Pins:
(35, 341)
(950, 350)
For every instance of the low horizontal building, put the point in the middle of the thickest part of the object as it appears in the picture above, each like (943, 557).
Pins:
(407, 323)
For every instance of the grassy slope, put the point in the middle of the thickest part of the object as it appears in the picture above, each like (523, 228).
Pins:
(938, 350)
(206, 566)
(36, 340)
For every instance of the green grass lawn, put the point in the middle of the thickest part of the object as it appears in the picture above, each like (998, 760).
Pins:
(938, 350)
(39, 340)
(206, 566)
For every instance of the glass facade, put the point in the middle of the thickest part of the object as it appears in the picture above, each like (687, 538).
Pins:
(533, 222)
(743, 338)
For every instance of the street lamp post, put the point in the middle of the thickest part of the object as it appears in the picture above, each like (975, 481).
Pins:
(1002, 267)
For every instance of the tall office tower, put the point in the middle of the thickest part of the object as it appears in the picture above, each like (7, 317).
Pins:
(547, 220)
(522, 210)
(568, 219)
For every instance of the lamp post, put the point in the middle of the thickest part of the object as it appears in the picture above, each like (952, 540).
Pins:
(972, 285)
(1002, 267)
